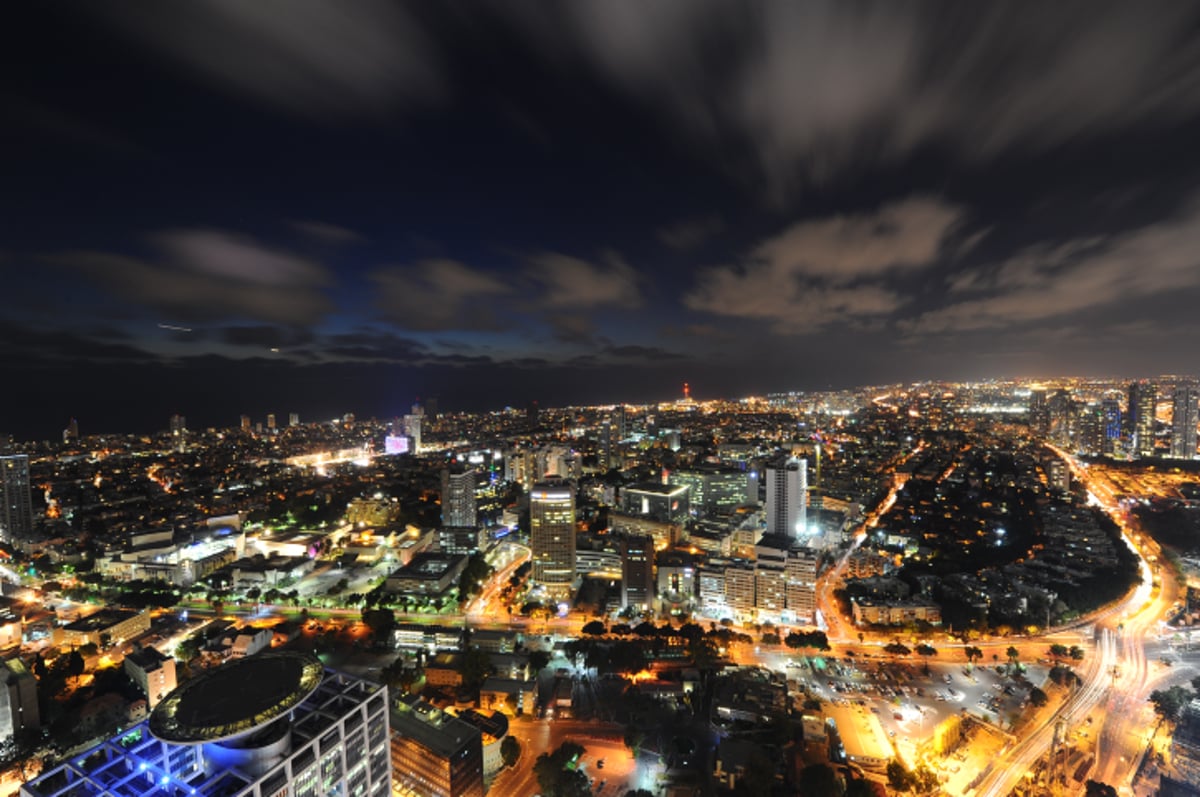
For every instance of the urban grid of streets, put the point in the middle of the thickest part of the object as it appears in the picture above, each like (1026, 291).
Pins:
(1117, 674)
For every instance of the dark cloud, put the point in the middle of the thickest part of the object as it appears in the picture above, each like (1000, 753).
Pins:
(819, 88)
(266, 336)
(1053, 282)
(306, 56)
(327, 233)
(439, 295)
(570, 282)
(33, 347)
(691, 233)
(636, 352)
(212, 274)
(821, 272)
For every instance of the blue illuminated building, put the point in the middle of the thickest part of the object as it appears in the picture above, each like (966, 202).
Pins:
(273, 725)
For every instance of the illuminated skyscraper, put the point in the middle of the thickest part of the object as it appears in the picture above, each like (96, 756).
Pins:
(16, 505)
(552, 536)
(1143, 396)
(458, 498)
(245, 423)
(787, 497)
(271, 422)
(1183, 423)
(412, 428)
(1110, 412)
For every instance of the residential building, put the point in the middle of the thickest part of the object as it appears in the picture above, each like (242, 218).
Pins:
(16, 502)
(153, 672)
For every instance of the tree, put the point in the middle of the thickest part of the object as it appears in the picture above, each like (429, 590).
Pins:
(897, 649)
(973, 653)
(898, 776)
(75, 665)
(1059, 651)
(1013, 654)
(926, 650)
(475, 668)
(634, 737)
(639, 793)
(1076, 653)
(1169, 702)
(380, 621)
(510, 750)
(1095, 788)
(538, 659)
(819, 780)
(1038, 698)
(594, 628)
(557, 775)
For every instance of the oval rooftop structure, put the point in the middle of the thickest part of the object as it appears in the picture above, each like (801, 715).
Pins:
(236, 698)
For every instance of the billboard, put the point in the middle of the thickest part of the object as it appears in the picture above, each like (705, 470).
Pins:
(395, 444)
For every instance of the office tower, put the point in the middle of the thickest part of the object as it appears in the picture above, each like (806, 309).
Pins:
(277, 723)
(434, 754)
(713, 489)
(431, 408)
(637, 572)
(532, 415)
(458, 498)
(1143, 397)
(178, 425)
(245, 423)
(271, 422)
(1039, 412)
(1184, 420)
(552, 536)
(607, 448)
(71, 433)
(18, 700)
(787, 497)
(620, 422)
(293, 419)
(1064, 420)
(412, 429)
(1110, 413)
(16, 509)
(1058, 476)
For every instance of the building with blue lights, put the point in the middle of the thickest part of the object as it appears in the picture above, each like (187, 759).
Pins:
(274, 725)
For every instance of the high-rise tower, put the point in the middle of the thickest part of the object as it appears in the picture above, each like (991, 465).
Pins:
(1143, 396)
(552, 536)
(458, 498)
(787, 497)
(1183, 422)
(16, 505)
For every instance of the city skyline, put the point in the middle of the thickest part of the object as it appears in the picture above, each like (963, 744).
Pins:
(585, 205)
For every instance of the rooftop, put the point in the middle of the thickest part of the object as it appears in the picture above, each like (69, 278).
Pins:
(431, 727)
(236, 698)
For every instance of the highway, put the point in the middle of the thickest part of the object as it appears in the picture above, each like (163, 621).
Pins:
(1118, 676)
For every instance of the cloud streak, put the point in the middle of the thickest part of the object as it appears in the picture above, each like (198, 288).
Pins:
(206, 274)
(819, 88)
(306, 56)
(821, 272)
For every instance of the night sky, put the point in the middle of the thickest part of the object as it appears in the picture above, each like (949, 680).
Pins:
(229, 207)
